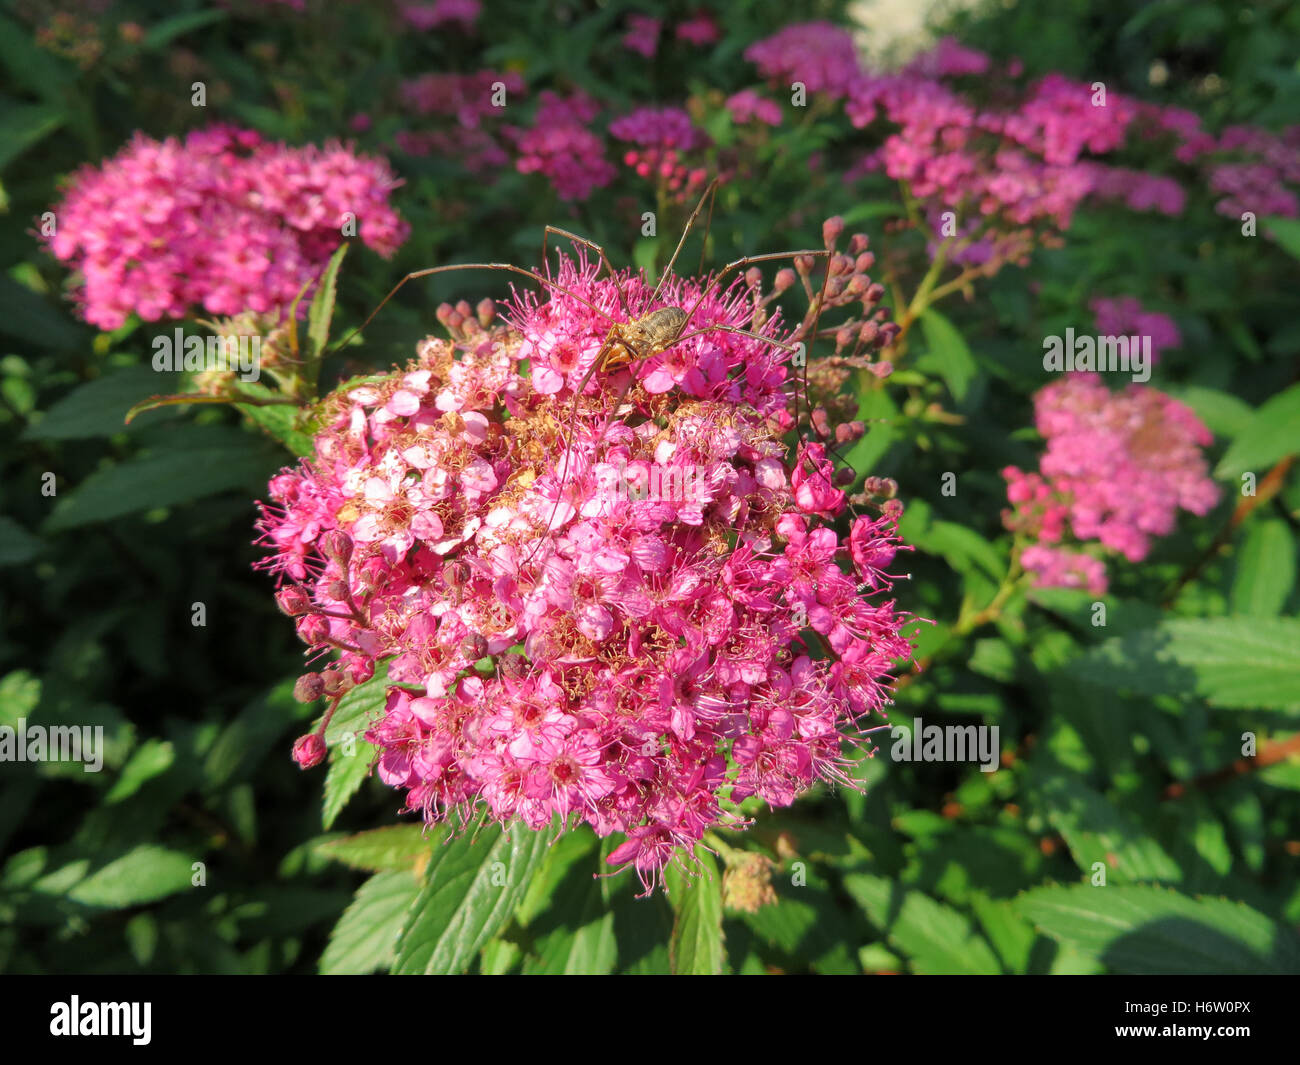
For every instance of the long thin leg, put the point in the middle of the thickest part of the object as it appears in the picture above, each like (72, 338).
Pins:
(708, 227)
(690, 224)
(510, 267)
(622, 299)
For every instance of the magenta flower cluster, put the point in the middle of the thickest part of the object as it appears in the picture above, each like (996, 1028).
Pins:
(223, 220)
(1124, 316)
(634, 620)
(1117, 469)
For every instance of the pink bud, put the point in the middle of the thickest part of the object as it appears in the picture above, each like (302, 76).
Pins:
(831, 230)
(292, 600)
(309, 750)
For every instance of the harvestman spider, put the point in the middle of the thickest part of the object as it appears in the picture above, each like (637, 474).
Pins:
(634, 340)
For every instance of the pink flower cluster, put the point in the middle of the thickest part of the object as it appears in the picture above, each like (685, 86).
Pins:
(223, 220)
(1117, 469)
(462, 13)
(564, 645)
(1125, 316)
(665, 137)
(561, 146)
(1015, 171)
(820, 55)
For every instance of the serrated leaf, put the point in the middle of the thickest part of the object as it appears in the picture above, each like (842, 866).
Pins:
(584, 944)
(343, 779)
(471, 889)
(99, 407)
(1265, 571)
(1097, 832)
(696, 946)
(321, 311)
(1233, 663)
(1154, 930)
(159, 480)
(382, 850)
(145, 874)
(281, 422)
(365, 938)
(935, 938)
(1273, 432)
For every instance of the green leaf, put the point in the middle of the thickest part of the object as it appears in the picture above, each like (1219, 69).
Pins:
(159, 480)
(935, 938)
(166, 31)
(1286, 231)
(146, 874)
(17, 545)
(321, 311)
(1095, 831)
(585, 944)
(696, 946)
(471, 889)
(281, 422)
(346, 774)
(1223, 413)
(865, 212)
(382, 850)
(25, 125)
(1233, 663)
(365, 937)
(99, 407)
(153, 758)
(20, 691)
(1265, 572)
(947, 354)
(1154, 930)
(354, 714)
(1273, 432)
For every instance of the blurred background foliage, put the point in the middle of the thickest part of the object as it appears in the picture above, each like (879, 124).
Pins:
(1118, 742)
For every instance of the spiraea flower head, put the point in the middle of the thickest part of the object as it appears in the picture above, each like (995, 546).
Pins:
(1117, 469)
(609, 600)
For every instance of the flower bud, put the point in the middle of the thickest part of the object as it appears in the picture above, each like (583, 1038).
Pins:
(486, 311)
(292, 600)
(831, 230)
(333, 682)
(336, 544)
(309, 750)
(784, 279)
(514, 666)
(309, 688)
(444, 313)
(753, 277)
(858, 243)
(848, 432)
